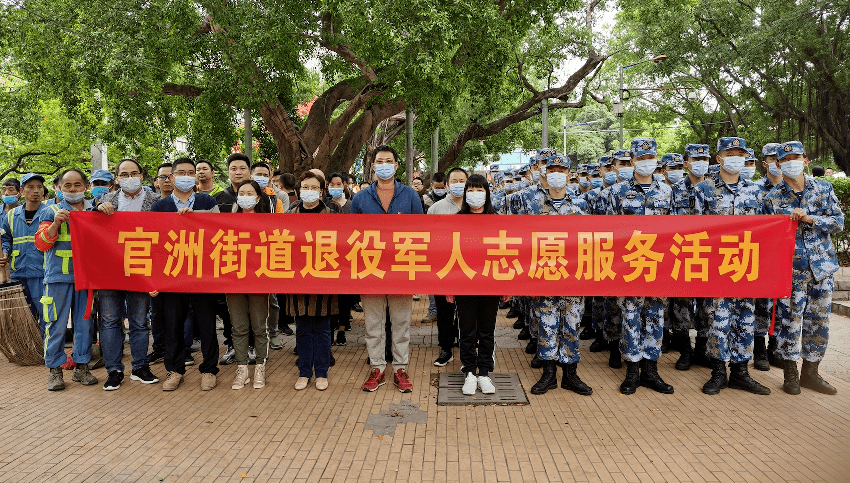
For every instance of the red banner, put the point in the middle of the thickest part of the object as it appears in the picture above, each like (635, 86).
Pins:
(681, 256)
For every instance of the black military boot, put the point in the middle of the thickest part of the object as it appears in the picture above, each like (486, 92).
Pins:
(700, 358)
(572, 382)
(599, 344)
(686, 352)
(632, 381)
(520, 323)
(524, 334)
(536, 362)
(810, 379)
(665, 341)
(512, 314)
(718, 379)
(649, 377)
(531, 347)
(549, 379)
(739, 378)
(760, 361)
(587, 333)
(615, 359)
(772, 358)
(792, 378)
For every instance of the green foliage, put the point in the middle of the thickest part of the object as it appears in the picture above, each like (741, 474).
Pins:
(842, 239)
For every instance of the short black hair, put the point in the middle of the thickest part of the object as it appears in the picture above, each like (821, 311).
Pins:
(276, 172)
(438, 178)
(310, 174)
(238, 157)
(817, 170)
(261, 164)
(13, 182)
(449, 173)
(382, 149)
(288, 181)
(164, 165)
(75, 170)
(202, 160)
(179, 161)
(477, 181)
(141, 170)
(417, 177)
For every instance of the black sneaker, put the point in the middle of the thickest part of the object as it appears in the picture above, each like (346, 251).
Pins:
(113, 381)
(357, 307)
(445, 358)
(190, 361)
(340, 338)
(228, 357)
(144, 375)
(155, 357)
(332, 361)
(287, 330)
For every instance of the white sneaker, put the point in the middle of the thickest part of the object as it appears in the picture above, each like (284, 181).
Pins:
(470, 384)
(486, 385)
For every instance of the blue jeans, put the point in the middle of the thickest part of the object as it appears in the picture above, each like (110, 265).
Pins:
(432, 305)
(313, 340)
(58, 302)
(112, 304)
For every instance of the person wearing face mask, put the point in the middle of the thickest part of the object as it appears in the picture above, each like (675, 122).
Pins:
(749, 169)
(802, 329)
(129, 198)
(476, 313)
(19, 254)
(763, 350)
(437, 192)
(687, 311)
(387, 196)
(249, 312)
(339, 193)
(593, 311)
(57, 193)
(559, 315)
(175, 306)
(642, 317)
(11, 192)
(60, 298)
(659, 172)
(446, 323)
(573, 185)
(730, 337)
(671, 169)
(313, 312)
(102, 182)
(610, 326)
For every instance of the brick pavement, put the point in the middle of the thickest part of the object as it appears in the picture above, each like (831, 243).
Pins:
(276, 434)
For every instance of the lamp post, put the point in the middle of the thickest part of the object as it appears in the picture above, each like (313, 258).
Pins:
(618, 110)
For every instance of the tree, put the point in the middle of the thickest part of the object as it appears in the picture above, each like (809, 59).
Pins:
(211, 60)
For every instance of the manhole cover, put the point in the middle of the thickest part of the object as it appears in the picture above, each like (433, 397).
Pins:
(509, 391)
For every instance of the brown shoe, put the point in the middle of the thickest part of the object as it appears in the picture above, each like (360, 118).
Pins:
(172, 381)
(207, 381)
(429, 319)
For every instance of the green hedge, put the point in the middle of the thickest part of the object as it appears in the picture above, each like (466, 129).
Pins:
(842, 240)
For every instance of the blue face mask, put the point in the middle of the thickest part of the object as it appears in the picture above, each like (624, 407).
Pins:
(658, 177)
(523, 183)
(10, 200)
(456, 189)
(774, 170)
(610, 178)
(675, 175)
(184, 183)
(336, 193)
(747, 172)
(99, 191)
(596, 182)
(699, 168)
(536, 176)
(626, 173)
(262, 181)
(584, 184)
(60, 196)
(385, 171)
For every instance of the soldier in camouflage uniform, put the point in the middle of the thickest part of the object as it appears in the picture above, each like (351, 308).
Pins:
(764, 357)
(559, 316)
(642, 317)
(730, 338)
(688, 311)
(805, 330)
(673, 163)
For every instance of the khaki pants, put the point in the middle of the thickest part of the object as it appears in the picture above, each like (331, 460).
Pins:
(375, 312)
(249, 311)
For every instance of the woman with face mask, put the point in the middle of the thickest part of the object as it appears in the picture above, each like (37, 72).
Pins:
(339, 193)
(313, 312)
(477, 313)
(249, 310)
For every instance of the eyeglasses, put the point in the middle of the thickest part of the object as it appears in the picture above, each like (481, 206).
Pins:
(163, 177)
(127, 175)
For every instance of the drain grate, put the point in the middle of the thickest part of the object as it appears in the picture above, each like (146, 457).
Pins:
(509, 391)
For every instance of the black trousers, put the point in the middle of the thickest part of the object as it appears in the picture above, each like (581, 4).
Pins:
(477, 326)
(175, 306)
(446, 325)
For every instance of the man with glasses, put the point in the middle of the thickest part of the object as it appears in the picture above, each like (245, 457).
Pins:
(132, 197)
(175, 306)
(164, 182)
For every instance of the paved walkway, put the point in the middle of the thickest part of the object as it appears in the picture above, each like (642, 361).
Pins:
(140, 433)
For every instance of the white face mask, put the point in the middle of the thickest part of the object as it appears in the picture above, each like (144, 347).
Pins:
(309, 196)
(456, 189)
(774, 170)
(646, 167)
(131, 184)
(476, 199)
(699, 168)
(536, 176)
(625, 174)
(262, 181)
(747, 172)
(246, 202)
(556, 180)
(791, 169)
(733, 164)
(675, 175)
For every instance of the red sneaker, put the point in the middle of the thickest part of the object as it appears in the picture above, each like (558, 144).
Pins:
(376, 380)
(402, 381)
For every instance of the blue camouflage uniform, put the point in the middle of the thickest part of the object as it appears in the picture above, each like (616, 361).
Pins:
(611, 318)
(642, 317)
(559, 317)
(764, 307)
(730, 336)
(804, 331)
(61, 299)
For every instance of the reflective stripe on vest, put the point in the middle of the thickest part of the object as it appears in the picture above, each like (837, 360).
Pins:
(64, 236)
